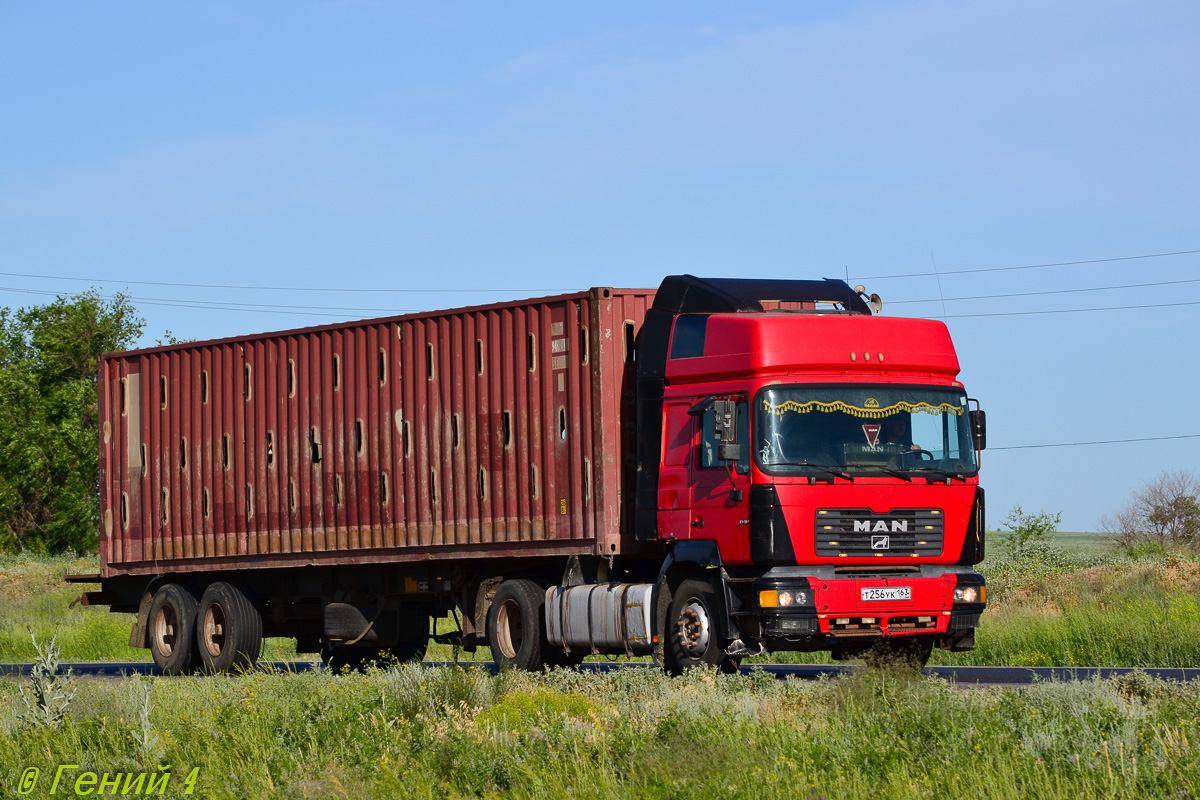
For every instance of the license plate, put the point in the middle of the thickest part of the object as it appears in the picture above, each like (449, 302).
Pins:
(885, 593)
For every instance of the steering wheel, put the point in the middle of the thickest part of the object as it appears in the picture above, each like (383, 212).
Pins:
(923, 455)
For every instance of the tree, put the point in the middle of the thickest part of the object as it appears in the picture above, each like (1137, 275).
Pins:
(1163, 513)
(49, 436)
(1028, 529)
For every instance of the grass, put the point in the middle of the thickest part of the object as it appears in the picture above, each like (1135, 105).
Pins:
(420, 732)
(412, 731)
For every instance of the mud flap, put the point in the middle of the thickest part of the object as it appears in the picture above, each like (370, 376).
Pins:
(137, 636)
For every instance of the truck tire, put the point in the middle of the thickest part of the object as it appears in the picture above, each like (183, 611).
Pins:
(514, 625)
(228, 629)
(171, 627)
(692, 639)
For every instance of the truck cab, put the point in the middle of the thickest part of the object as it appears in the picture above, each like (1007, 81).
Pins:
(819, 465)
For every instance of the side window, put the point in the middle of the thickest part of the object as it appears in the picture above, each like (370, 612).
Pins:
(708, 441)
(688, 341)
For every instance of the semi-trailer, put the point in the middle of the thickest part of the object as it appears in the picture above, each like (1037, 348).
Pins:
(703, 472)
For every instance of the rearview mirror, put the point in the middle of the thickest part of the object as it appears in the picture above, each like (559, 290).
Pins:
(979, 428)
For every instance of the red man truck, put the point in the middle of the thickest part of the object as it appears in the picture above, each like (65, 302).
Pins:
(702, 472)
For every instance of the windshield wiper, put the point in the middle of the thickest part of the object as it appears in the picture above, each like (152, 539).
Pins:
(942, 472)
(895, 473)
(828, 469)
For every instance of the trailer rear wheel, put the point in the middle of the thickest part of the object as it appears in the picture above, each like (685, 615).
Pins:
(228, 629)
(171, 628)
(514, 625)
(692, 638)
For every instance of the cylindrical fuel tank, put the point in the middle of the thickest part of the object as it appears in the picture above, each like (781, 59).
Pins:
(601, 618)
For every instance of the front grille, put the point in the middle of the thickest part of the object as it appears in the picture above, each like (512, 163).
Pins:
(861, 533)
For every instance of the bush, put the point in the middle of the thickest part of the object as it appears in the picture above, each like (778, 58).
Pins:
(1029, 529)
(1162, 515)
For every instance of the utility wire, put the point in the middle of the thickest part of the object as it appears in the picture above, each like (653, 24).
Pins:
(230, 305)
(1073, 310)
(225, 303)
(264, 288)
(1030, 266)
(1046, 292)
(543, 290)
(1108, 441)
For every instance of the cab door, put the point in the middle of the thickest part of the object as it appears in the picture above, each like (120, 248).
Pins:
(720, 488)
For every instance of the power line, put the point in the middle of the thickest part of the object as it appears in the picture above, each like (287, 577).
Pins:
(1030, 266)
(1108, 441)
(254, 308)
(255, 288)
(1047, 292)
(265, 288)
(1073, 310)
(225, 304)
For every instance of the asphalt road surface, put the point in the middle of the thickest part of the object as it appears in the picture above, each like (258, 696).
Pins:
(992, 676)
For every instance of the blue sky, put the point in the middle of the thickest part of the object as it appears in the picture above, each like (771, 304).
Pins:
(430, 155)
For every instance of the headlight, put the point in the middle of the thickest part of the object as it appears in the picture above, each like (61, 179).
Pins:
(772, 598)
(968, 594)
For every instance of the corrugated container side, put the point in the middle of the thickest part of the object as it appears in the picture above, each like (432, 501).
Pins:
(479, 431)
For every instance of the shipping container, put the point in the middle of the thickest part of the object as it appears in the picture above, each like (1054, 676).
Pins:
(478, 431)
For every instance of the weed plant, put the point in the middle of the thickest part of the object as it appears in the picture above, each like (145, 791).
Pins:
(412, 731)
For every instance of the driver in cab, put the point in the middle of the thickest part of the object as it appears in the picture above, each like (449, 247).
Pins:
(897, 430)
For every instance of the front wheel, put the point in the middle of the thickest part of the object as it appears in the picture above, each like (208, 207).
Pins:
(692, 630)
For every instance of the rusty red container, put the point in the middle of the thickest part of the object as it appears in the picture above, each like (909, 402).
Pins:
(498, 430)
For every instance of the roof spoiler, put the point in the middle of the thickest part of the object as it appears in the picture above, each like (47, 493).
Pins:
(683, 294)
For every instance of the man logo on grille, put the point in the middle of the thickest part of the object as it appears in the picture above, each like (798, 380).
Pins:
(881, 542)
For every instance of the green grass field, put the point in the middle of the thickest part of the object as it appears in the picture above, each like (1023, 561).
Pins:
(409, 731)
(426, 733)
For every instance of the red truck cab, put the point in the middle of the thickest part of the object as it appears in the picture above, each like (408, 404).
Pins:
(828, 460)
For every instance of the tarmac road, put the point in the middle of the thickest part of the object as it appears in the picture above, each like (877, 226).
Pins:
(989, 676)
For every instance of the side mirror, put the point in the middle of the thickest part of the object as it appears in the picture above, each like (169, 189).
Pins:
(979, 428)
(724, 424)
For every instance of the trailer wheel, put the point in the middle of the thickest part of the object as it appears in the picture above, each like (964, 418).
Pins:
(228, 629)
(691, 633)
(171, 623)
(514, 625)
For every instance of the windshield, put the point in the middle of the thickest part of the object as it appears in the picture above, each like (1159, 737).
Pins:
(863, 429)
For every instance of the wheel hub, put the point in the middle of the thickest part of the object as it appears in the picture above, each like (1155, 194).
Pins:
(694, 628)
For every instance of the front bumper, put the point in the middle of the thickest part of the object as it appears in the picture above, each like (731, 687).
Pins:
(834, 610)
